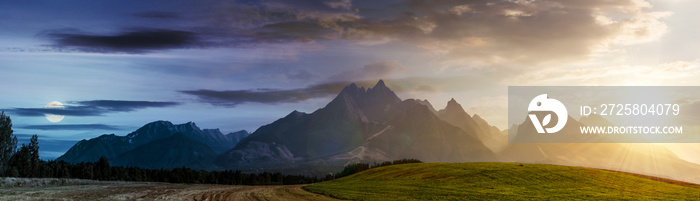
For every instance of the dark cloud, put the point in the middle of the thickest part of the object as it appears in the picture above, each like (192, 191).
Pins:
(232, 98)
(301, 75)
(491, 32)
(124, 106)
(71, 127)
(269, 96)
(294, 31)
(137, 41)
(372, 71)
(92, 108)
(158, 15)
(503, 31)
(78, 111)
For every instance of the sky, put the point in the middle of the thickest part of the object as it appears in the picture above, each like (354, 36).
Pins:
(234, 65)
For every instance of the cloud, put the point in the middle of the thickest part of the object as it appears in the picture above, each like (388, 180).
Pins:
(373, 71)
(71, 127)
(267, 96)
(68, 111)
(135, 41)
(293, 31)
(365, 76)
(92, 108)
(678, 73)
(124, 106)
(485, 32)
(232, 98)
(521, 32)
(158, 15)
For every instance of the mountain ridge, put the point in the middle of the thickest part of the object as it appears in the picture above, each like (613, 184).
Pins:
(360, 125)
(113, 146)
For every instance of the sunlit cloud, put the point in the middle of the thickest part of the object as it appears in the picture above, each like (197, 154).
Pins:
(671, 73)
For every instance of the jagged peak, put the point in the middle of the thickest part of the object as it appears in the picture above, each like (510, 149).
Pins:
(427, 104)
(452, 101)
(156, 124)
(240, 131)
(189, 125)
(453, 104)
(352, 89)
(380, 86)
(453, 107)
(160, 122)
(380, 83)
(107, 136)
(381, 90)
(424, 101)
(295, 113)
(376, 98)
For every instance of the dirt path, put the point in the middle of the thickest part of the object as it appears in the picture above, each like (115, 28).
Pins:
(281, 193)
(159, 191)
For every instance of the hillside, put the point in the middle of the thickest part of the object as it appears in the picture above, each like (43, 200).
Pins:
(500, 181)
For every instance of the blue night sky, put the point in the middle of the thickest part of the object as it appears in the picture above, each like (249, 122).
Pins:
(233, 65)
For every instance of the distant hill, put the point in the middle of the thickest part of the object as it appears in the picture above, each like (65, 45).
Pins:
(501, 181)
(158, 136)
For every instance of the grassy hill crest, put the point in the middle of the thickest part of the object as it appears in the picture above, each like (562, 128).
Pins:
(500, 181)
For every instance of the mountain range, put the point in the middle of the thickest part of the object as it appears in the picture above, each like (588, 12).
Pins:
(158, 144)
(370, 125)
(359, 125)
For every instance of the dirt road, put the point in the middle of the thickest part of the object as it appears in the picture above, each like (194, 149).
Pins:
(158, 191)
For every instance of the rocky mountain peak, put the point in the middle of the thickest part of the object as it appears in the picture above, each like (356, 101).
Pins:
(454, 107)
(380, 84)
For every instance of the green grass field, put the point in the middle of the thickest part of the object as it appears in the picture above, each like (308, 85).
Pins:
(500, 181)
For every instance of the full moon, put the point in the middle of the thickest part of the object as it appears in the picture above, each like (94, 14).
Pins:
(52, 117)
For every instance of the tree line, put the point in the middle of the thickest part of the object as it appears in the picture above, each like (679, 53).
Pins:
(359, 167)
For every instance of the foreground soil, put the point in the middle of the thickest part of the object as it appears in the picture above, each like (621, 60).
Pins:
(158, 191)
